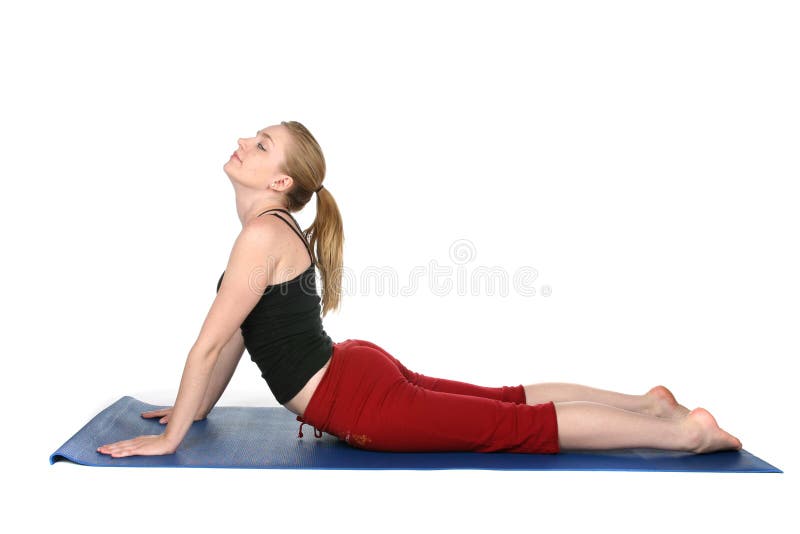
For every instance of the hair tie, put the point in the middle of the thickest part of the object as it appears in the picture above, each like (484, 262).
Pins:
(318, 189)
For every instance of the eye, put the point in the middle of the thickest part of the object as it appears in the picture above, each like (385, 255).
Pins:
(259, 145)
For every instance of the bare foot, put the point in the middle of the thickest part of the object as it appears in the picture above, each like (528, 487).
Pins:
(706, 434)
(664, 404)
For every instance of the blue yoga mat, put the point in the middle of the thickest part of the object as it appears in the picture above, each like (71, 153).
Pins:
(266, 438)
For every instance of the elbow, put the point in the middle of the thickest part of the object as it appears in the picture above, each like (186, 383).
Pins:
(205, 352)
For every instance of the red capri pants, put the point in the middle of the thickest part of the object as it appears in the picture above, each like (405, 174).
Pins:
(370, 400)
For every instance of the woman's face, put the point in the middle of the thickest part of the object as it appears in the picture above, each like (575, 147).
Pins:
(259, 158)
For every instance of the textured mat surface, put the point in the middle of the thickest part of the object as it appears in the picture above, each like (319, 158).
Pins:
(266, 438)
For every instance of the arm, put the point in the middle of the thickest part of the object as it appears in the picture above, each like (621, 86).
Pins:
(226, 365)
(196, 376)
(240, 291)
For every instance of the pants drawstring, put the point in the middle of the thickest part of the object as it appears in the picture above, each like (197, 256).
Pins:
(300, 432)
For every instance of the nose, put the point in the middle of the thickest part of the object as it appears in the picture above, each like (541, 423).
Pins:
(240, 142)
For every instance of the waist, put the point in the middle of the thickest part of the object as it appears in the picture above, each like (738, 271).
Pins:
(299, 403)
(287, 368)
(317, 405)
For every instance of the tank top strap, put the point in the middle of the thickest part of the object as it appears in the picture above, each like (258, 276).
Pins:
(296, 231)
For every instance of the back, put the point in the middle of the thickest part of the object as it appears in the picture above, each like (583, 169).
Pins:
(284, 334)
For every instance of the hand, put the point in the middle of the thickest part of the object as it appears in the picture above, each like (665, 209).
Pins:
(165, 412)
(142, 445)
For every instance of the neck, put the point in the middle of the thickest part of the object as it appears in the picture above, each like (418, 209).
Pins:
(249, 205)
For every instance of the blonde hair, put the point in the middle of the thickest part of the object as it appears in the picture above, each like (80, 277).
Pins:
(305, 163)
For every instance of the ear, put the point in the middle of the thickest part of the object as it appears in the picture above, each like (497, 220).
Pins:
(281, 182)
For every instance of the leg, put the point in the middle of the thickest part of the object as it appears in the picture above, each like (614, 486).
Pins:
(515, 394)
(588, 425)
(659, 401)
(371, 405)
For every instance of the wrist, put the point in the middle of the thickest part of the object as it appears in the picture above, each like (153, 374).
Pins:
(171, 443)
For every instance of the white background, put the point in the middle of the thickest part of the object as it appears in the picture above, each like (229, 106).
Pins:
(639, 155)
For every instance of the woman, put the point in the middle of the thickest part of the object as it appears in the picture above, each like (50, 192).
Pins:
(354, 389)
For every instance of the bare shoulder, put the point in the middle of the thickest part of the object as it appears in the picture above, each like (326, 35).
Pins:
(260, 245)
(245, 278)
(260, 231)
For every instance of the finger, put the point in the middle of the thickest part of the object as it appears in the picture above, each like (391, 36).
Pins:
(108, 449)
(163, 420)
(110, 445)
(136, 446)
(127, 449)
(117, 445)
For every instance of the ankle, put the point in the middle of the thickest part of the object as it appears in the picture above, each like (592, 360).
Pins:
(692, 434)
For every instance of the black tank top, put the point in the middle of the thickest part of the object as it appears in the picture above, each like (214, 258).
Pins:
(283, 333)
